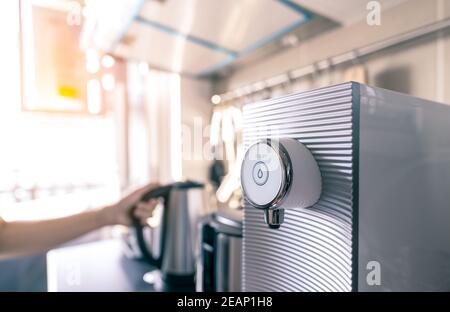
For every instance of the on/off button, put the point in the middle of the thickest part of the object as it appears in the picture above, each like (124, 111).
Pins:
(260, 173)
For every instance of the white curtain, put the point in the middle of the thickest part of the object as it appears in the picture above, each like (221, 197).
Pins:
(164, 116)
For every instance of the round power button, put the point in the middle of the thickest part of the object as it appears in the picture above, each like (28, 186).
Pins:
(279, 174)
(263, 174)
(260, 173)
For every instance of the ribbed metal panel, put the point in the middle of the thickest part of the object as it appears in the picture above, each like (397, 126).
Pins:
(312, 250)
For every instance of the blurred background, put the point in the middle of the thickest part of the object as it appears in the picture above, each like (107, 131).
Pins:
(100, 96)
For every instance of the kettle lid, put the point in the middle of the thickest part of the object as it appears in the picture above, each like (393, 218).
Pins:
(234, 215)
(229, 220)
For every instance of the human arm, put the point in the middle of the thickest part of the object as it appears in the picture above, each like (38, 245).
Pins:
(27, 237)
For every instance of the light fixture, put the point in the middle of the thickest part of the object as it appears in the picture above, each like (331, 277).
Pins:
(289, 40)
(92, 61)
(108, 61)
(108, 82)
(215, 99)
(94, 96)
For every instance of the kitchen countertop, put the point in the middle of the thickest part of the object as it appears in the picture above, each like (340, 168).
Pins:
(97, 266)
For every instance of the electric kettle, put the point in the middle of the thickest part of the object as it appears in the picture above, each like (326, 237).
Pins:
(219, 263)
(183, 206)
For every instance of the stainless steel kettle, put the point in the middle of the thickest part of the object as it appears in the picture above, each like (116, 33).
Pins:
(183, 205)
(219, 263)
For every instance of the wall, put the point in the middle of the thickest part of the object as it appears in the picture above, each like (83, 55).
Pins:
(420, 68)
(169, 118)
(196, 111)
(159, 140)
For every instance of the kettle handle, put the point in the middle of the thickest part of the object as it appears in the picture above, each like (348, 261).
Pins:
(160, 192)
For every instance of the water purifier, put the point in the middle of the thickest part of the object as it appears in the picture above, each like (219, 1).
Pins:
(346, 188)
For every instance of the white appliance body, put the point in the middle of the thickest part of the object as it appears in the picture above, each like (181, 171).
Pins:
(382, 222)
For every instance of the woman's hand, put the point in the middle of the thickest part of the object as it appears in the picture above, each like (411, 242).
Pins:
(120, 213)
(15, 236)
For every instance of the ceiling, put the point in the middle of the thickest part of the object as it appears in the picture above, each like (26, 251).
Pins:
(205, 37)
(344, 11)
(197, 37)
